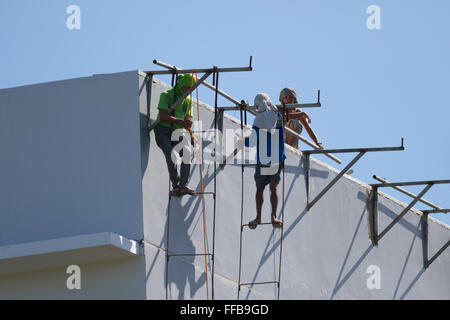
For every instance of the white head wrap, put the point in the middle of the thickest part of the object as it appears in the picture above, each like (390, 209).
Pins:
(267, 112)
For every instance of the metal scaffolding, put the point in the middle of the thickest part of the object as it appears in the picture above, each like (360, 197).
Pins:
(174, 71)
(244, 107)
(361, 152)
(376, 237)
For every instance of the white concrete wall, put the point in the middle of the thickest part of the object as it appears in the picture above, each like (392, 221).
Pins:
(117, 279)
(326, 251)
(74, 162)
(70, 159)
(70, 165)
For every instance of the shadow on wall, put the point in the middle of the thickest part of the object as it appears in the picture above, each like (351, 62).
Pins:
(340, 281)
(182, 271)
(182, 274)
(391, 214)
(415, 230)
(145, 143)
(272, 244)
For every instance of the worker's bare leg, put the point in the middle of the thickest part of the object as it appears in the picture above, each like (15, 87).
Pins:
(274, 200)
(259, 203)
(274, 197)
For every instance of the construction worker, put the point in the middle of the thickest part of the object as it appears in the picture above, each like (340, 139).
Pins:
(267, 123)
(295, 119)
(179, 119)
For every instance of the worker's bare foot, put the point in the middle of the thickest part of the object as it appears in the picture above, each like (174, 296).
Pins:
(276, 223)
(185, 190)
(175, 192)
(254, 223)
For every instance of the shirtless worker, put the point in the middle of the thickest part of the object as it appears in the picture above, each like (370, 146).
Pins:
(296, 119)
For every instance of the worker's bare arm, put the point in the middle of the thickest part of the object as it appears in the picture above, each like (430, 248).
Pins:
(300, 115)
(164, 116)
(310, 131)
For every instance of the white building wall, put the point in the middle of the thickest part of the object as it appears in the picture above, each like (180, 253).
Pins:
(327, 251)
(70, 166)
(118, 279)
(70, 159)
(76, 160)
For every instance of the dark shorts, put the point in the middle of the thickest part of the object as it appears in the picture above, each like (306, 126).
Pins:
(263, 178)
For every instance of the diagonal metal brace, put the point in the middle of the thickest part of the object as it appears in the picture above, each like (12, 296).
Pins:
(426, 261)
(374, 200)
(397, 219)
(328, 187)
(362, 152)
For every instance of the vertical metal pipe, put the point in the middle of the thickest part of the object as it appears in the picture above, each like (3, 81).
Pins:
(168, 211)
(215, 182)
(375, 216)
(149, 86)
(282, 211)
(242, 210)
(307, 167)
(167, 244)
(281, 240)
(425, 239)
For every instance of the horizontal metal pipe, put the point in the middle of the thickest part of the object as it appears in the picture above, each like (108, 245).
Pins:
(354, 150)
(177, 70)
(165, 65)
(415, 183)
(203, 70)
(287, 106)
(412, 195)
(436, 211)
(205, 83)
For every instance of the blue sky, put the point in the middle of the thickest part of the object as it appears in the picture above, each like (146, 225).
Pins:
(377, 86)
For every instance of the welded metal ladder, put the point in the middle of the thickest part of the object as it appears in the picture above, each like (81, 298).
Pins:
(213, 193)
(278, 280)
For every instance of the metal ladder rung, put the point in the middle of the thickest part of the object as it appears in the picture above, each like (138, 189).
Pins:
(203, 131)
(195, 194)
(189, 254)
(265, 282)
(262, 223)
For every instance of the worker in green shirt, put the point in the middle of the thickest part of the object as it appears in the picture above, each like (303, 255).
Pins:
(178, 119)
